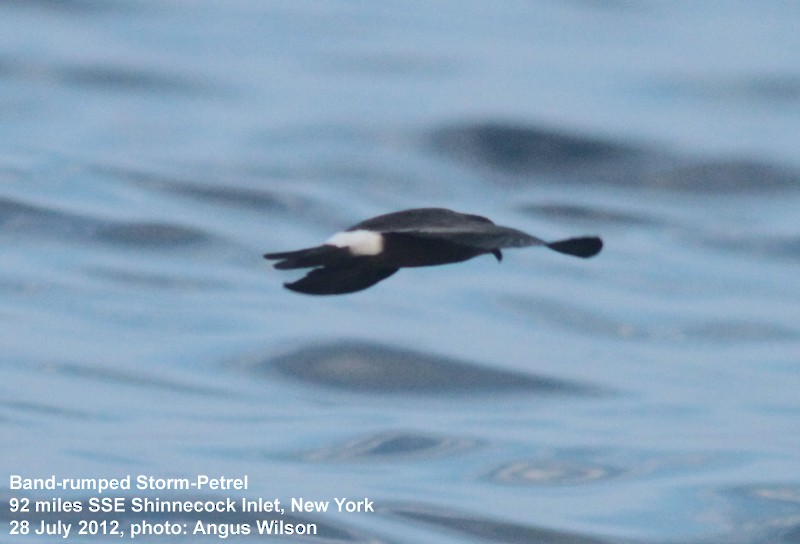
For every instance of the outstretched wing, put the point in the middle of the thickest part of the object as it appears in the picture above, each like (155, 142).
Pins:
(338, 280)
(478, 236)
(493, 237)
(420, 218)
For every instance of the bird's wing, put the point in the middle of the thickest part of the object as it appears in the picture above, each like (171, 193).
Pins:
(493, 237)
(339, 280)
(480, 236)
(420, 218)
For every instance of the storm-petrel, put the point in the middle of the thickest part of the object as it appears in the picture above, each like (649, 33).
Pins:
(375, 249)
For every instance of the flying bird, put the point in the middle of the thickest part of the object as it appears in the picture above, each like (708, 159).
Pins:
(373, 250)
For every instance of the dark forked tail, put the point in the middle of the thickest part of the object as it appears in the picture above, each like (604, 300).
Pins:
(585, 247)
(324, 255)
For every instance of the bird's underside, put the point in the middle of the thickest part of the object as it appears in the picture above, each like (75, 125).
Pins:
(375, 249)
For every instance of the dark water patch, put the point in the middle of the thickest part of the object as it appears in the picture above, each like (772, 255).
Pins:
(42, 409)
(586, 215)
(139, 278)
(719, 176)
(767, 88)
(150, 235)
(527, 149)
(7, 68)
(18, 217)
(487, 529)
(130, 79)
(551, 472)
(771, 88)
(113, 78)
(526, 154)
(374, 368)
(393, 446)
(790, 535)
(786, 247)
(259, 199)
(730, 331)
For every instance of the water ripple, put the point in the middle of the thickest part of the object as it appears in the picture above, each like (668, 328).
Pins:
(551, 472)
(17, 217)
(123, 377)
(527, 153)
(374, 368)
(486, 529)
(394, 445)
(669, 328)
(521, 149)
(129, 78)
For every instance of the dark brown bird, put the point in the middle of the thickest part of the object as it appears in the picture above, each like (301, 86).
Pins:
(375, 249)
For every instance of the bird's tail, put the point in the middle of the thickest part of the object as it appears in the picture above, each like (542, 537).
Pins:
(324, 255)
(585, 246)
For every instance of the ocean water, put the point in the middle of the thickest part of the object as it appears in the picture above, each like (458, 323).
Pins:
(151, 151)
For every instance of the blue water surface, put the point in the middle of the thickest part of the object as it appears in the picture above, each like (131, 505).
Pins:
(151, 151)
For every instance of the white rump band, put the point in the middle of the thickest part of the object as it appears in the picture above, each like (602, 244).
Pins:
(359, 242)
